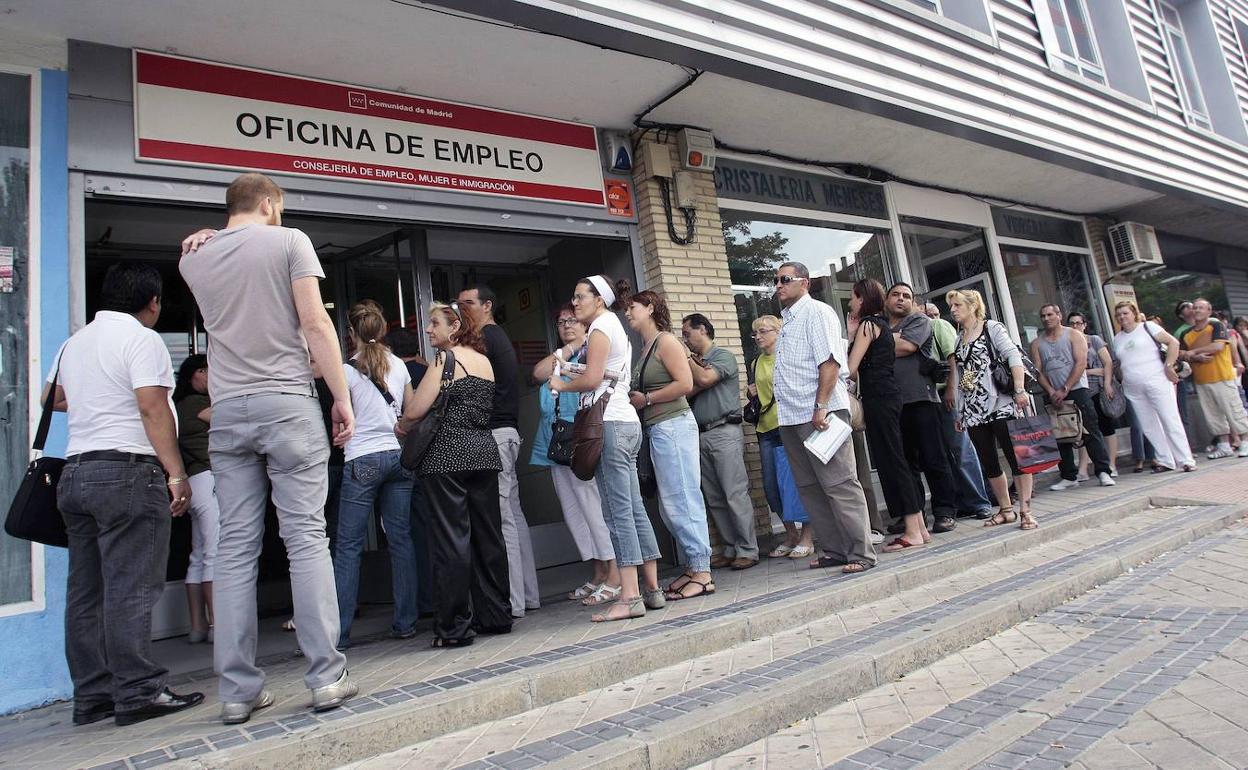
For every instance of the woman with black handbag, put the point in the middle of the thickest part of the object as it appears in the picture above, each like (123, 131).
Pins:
(632, 537)
(659, 387)
(581, 504)
(460, 470)
(985, 409)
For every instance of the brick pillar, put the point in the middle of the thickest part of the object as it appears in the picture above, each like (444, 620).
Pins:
(695, 279)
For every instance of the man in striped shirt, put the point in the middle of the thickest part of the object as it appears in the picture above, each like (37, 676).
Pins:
(810, 391)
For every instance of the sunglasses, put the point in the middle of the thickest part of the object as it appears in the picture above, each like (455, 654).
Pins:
(786, 279)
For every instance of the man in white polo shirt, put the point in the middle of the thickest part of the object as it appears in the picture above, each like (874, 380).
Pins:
(122, 480)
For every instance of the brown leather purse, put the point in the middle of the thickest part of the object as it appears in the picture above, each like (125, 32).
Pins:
(587, 435)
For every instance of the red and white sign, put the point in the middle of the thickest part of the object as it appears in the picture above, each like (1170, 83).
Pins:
(200, 113)
(619, 198)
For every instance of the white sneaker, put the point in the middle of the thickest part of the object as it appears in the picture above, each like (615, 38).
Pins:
(1082, 477)
(1064, 485)
(1243, 449)
(1113, 472)
(876, 537)
(1106, 480)
(1220, 451)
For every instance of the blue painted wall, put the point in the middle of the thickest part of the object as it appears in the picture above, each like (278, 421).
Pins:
(32, 645)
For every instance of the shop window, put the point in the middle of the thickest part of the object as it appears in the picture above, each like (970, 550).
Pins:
(1092, 40)
(837, 255)
(16, 584)
(1037, 278)
(1183, 66)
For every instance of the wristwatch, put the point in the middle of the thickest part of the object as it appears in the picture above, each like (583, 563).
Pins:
(825, 407)
(648, 400)
(1020, 392)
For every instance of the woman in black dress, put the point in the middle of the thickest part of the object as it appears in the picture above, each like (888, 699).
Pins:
(871, 360)
(460, 475)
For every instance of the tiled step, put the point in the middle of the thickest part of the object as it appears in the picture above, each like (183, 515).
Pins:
(1042, 694)
(460, 698)
(793, 674)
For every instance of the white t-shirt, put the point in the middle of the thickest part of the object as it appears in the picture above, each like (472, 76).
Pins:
(374, 418)
(619, 359)
(1137, 353)
(100, 368)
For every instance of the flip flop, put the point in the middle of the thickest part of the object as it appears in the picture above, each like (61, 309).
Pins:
(901, 544)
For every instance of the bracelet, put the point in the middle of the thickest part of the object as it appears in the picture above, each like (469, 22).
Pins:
(176, 480)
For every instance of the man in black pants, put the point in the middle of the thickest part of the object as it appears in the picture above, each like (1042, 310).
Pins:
(921, 431)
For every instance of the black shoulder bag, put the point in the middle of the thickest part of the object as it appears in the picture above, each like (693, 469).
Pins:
(34, 514)
(561, 441)
(754, 409)
(646, 479)
(421, 436)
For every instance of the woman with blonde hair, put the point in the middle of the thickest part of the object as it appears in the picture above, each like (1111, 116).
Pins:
(459, 471)
(380, 389)
(1149, 382)
(984, 410)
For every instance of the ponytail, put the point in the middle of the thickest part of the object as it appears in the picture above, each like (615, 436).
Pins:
(372, 357)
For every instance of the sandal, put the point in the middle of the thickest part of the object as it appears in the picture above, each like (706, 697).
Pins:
(823, 562)
(439, 642)
(679, 583)
(289, 625)
(584, 591)
(1004, 515)
(1025, 519)
(634, 608)
(899, 544)
(855, 567)
(802, 551)
(704, 589)
(601, 595)
(780, 551)
(653, 598)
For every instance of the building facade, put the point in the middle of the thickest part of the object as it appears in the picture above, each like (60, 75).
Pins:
(992, 144)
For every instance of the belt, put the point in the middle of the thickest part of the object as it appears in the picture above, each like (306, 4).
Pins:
(111, 455)
(732, 418)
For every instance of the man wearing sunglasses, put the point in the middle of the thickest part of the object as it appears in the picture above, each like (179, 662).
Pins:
(810, 392)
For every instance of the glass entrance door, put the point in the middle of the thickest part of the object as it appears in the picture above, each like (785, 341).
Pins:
(944, 256)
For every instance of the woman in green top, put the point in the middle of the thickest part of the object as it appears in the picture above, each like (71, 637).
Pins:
(660, 384)
(190, 397)
(798, 541)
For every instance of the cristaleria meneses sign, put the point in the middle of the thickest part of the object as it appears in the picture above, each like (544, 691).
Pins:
(206, 114)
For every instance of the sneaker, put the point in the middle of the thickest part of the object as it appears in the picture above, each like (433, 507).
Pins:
(876, 537)
(1082, 477)
(238, 713)
(1222, 450)
(1064, 485)
(1243, 449)
(1113, 472)
(331, 696)
(1106, 480)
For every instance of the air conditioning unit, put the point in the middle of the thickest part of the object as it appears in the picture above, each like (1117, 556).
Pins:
(1133, 246)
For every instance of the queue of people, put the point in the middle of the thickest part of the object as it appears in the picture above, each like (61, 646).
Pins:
(243, 428)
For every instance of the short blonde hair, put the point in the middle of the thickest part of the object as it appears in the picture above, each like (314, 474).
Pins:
(971, 298)
(1135, 310)
(770, 321)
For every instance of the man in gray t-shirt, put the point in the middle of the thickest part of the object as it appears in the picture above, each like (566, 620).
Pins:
(921, 433)
(256, 284)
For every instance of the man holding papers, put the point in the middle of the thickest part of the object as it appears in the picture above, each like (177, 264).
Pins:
(811, 397)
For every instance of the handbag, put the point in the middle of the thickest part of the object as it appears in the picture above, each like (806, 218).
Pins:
(1067, 423)
(33, 514)
(754, 409)
(421, 436)
(1113, 408)
(1181, 368)
(646, 479)
(857, 417)
(1003, 378)
(1033, 442)
(587, 435)
(561, 442)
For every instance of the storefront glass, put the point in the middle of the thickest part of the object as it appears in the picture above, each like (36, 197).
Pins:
(949, 256)
(1037, 278)
(15, 555)
(837, 255)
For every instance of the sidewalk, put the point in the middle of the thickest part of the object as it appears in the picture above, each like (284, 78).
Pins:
(566, 653)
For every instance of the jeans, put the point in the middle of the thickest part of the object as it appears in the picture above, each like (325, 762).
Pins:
(632, 537)
(970, 495)
(271, 445)
(117, 517)
(1093, 441)
(767, 443)
(364, 480)
(674, 448)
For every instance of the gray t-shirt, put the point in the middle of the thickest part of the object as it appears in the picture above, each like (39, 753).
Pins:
(241, 281)
(915, 328)
(723, 397)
